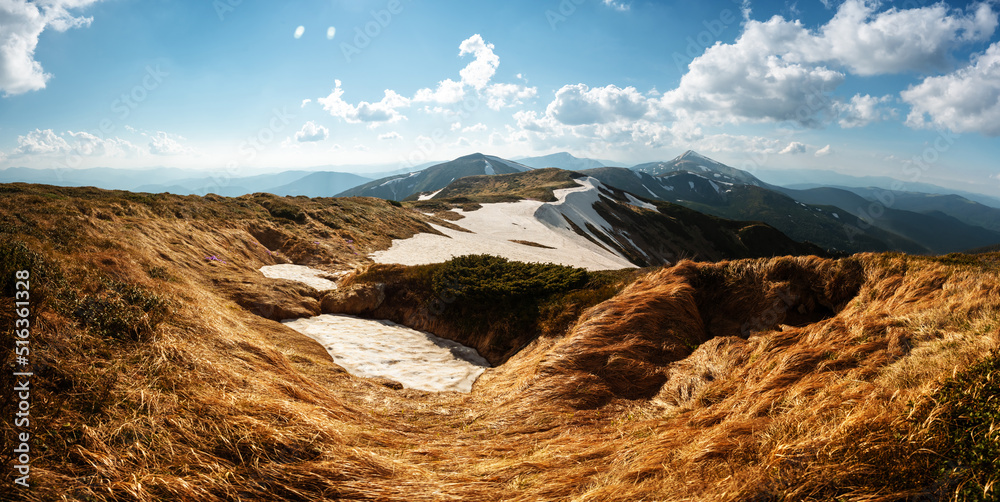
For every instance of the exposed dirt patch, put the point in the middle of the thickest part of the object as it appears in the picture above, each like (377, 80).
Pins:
(532, 244)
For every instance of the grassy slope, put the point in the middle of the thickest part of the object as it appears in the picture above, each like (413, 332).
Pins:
(216, 403)
(427, 180)
(536, 184)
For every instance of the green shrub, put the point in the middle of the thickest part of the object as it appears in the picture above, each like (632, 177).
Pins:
(971, 426)
(492, 278)
(279, 208)
(121, 311)
(44, 279)
(16, 256)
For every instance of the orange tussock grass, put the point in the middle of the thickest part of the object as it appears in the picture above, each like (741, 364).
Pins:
(794, 378)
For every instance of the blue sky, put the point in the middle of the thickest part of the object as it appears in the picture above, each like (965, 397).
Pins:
(905, 89)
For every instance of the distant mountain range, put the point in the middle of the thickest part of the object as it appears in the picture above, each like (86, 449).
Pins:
(726, 197)
(816, 178)
(101, 177)
(835, 219)
(187, 182)
(563, 160)
(838, 218)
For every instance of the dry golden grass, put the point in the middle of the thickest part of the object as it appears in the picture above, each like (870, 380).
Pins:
(771, 379)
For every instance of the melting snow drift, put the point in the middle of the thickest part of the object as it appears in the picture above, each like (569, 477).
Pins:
(428, 196)
(416, 359)
(301, 273)
(494, 227)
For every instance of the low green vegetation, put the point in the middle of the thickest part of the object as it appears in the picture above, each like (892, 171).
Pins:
(44, 281)
(482, 278)
(121, 311)
(971, 430)
(115, 309)
(279, 207)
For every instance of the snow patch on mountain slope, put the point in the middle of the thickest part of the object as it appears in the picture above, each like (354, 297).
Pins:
(494, 227)
(394, 180)
(636, 202)
(315, 278)
(489, 168)
(428, 196)
(416, 359)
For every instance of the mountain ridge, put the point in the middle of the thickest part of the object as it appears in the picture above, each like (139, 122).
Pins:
(434, 177)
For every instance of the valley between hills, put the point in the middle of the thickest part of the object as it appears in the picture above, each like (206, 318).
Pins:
(681, 332)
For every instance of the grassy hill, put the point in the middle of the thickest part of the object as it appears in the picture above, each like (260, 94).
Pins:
(537, 185)
(161, 374)
(433, 178)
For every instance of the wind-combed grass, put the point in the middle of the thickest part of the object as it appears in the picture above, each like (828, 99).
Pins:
(794, 378)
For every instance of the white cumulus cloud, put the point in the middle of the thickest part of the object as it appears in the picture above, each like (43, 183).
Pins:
(47, 142)
(311, 133)
(757, 78)
(619, 6)
(863, 110)
(899, 40)
(389, 136)
(966, 100)
(823, 152)
(163, 144)
(331, 32)
(479, 72)
(448, 91)
(476, 74)
(780, 71)
(385, 110)
(299, 31)
(21, 23)
(736, 143)
(86, 144)
(507, 95)
(578, 104)
(793, 148)
(41, 142)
